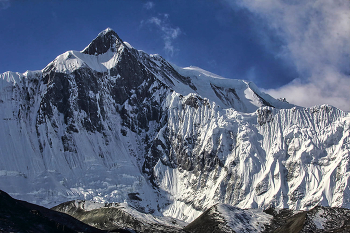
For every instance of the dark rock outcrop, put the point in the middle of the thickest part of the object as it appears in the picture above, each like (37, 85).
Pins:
(20, 216)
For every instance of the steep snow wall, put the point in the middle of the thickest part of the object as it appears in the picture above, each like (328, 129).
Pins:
(290, 158)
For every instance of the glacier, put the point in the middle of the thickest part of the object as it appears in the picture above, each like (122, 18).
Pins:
(115, 124)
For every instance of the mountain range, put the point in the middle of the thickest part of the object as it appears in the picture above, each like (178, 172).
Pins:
(113, 124)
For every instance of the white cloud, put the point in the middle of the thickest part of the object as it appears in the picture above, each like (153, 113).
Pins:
(169, 33)
(149, 5)
(332, 88)
(155, 20)
(316, 39)
(4, 4)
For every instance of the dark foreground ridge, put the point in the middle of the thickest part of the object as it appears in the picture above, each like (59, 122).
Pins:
(318, 219)
(115, 216)
(21, 216)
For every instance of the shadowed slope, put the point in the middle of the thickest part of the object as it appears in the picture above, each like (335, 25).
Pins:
(20, 216)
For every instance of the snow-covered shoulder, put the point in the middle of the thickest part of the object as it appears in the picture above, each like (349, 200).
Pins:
(73, 60)
(193, 70)
(242, 95)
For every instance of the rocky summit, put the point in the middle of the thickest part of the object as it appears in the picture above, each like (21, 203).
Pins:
(112, 124)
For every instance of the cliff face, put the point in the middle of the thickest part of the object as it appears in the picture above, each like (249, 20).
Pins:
(114, 124)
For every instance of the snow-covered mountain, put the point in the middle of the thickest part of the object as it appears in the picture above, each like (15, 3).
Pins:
(114, 124)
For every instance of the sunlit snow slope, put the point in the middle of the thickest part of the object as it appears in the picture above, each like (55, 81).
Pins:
(114, 124)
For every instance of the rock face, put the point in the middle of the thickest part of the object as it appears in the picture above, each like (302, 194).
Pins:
(114, 124)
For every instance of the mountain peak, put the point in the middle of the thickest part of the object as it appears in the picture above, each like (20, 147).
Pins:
(105, 40)
(107, 30)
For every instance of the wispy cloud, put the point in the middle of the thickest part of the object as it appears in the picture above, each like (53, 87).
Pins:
(149, 5)
(169, 33)
(4, 4)
(315, 34)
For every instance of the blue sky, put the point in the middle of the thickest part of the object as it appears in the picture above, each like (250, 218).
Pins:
(294, 49)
